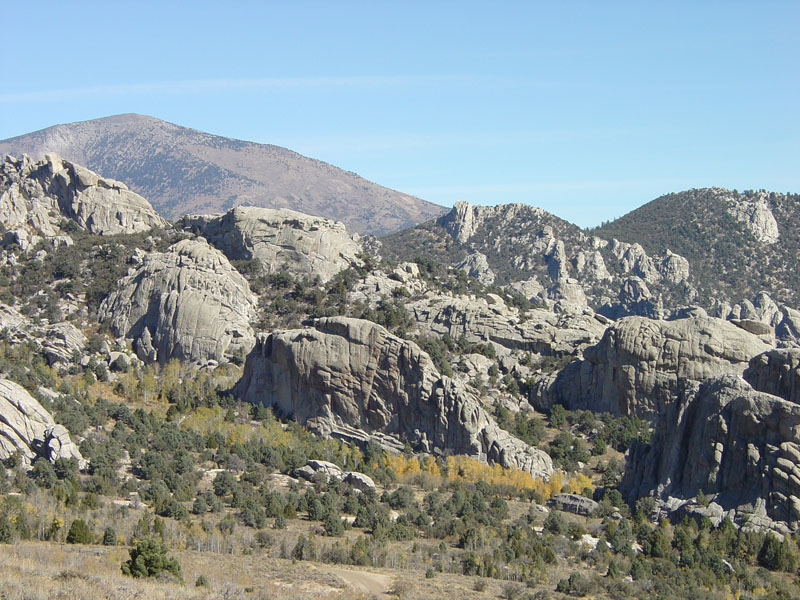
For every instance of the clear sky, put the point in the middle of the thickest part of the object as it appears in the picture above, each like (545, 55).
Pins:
(587, 109)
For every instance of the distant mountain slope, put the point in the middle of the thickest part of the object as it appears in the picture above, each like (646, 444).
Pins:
(737, 243)
(182, 171)
(712, 248)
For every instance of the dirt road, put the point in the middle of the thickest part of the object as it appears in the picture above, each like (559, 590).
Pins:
(371, 583)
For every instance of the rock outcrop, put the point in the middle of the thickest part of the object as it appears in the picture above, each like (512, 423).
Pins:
(738, 446)
(343, 374)
(640, 365)
(280, 240)
(36, 196)
(755, 215)
(475, 265)
(776, 372)
(489, 319)
(28, 429)
(573, 503)
(59, 342)
(187, 303)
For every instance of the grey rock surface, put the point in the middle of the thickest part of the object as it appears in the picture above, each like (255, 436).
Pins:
(475, 265)
(640, 365)
(28, 429)
(489, 319)
(776, 372)
(187, 303)
(280, 239)
(740, 447)
(59, 342)
(36, 196)
(359, 481)
(573, 503)
(344, 373)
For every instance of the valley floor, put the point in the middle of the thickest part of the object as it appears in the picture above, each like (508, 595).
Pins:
(45, 570)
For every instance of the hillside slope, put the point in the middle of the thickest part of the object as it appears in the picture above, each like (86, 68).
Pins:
(182, 171)
(737, 244)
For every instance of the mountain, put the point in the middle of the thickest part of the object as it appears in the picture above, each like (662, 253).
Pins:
(733, 254)
(183, 171)
(737, 243)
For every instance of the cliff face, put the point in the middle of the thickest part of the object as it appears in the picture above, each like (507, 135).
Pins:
(28, 429)
(187, 303)
(639, 365)
(280, 240)
(738, 446)
(36, 195)
(351, 378)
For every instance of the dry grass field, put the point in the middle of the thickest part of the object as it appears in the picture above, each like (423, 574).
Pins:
(50, 571)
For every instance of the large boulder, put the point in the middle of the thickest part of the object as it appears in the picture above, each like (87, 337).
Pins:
(280, 240)
(37, 195)
(640, 365)
(738, 446)
(187, 303)
(59, 342)
(29, 430)
(480, 320)
(776, 372)
(342, 374)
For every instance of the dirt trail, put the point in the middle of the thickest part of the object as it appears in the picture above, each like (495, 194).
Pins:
(371, 583)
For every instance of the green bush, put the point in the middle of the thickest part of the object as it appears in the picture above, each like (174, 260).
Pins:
(79, 533)
(109, 537)
(149, 558)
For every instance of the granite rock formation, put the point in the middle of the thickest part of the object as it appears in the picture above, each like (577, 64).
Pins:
(187, 303)
(776, 372)
(280, 240)
(738, 446)
(36, 195)
(341, 374)
(29, 430)
(639, 366)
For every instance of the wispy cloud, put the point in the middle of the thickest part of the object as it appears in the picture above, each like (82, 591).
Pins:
(194, 86)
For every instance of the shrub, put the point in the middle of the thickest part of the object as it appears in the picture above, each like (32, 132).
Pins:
(6, 530)
(201, 581)
(79, 533)
(149, 558)
(109, 537)
(777, 555)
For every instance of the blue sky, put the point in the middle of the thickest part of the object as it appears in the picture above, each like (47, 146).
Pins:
(585, 109)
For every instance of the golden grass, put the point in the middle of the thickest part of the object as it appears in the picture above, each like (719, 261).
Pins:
(50, 571)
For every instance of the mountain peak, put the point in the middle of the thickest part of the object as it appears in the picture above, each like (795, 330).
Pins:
(184, 171)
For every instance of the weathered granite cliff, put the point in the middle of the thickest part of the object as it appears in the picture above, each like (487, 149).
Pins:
(738, 446)
(187, 303)
(280, 240)
(491, 320)
(28, 429)
(59, 342)
(776, 372)
(36, 196)
(349, 377)
(640, 365)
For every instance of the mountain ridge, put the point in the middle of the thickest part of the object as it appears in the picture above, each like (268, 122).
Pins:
(182, 171)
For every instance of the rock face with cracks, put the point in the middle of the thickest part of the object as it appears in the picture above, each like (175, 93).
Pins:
(280, 240)
(341, 375)
(639, 365)
(776, 372)
(28, 429)
(187, 303)
(36, 195)
(738, 446)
